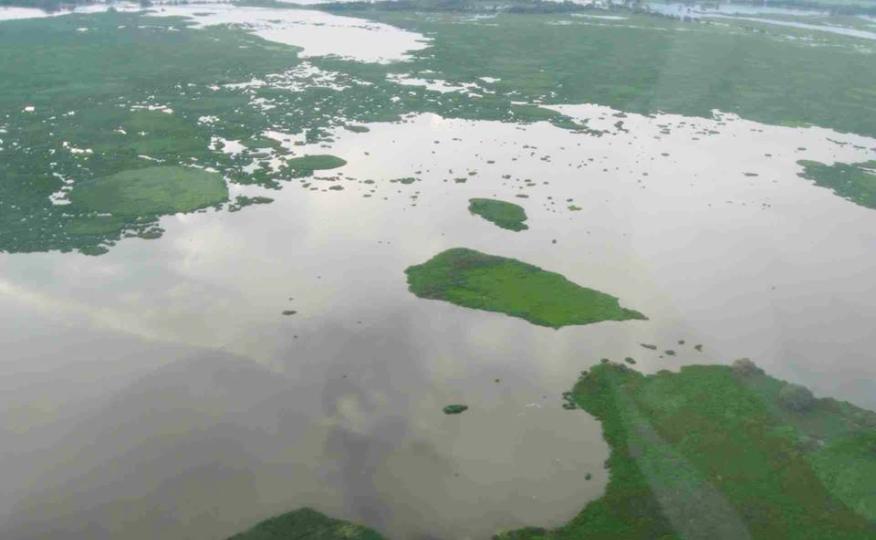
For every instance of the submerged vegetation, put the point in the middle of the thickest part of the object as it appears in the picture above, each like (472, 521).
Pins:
(853, 181)
(504, 214)
(476, 280)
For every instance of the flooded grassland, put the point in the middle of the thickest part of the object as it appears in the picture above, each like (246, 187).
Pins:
(172, 377)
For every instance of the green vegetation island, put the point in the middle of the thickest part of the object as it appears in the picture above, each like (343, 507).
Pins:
(476, 280)
(308, 164)
(455, 409)
(855, 182)
(503, 214)
(711, 451)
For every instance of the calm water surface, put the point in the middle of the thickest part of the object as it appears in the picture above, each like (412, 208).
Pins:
(158, 392)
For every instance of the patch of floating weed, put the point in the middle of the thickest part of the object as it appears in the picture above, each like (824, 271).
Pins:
(504, 214)
(455, 409)
(855, 182)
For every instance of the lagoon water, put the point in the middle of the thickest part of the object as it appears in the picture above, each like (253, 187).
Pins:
(8, 13)
(158, 391)
(317, 33)
(833, 29)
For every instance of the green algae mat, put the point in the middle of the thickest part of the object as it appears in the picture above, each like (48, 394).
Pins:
(501, 213)
(472, 279)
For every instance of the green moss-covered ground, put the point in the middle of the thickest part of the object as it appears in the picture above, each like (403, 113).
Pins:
(853, 181)
(476, 280)
(151, 191)
(504, 214)
(306, 524)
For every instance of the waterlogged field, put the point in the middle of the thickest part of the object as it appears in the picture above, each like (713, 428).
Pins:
(206, 217)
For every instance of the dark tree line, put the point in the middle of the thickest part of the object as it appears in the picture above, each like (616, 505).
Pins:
(46, 5)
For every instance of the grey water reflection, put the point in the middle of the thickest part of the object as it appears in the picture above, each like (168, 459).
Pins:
(158, 392)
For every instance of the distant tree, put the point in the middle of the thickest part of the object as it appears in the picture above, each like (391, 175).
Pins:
(744, 367)
(45, 5)
(796, 398)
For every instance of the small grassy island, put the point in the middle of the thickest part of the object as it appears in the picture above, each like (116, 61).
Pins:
(476, 280)
(852, 181)
(504, 214)
(306, 523)
(150, 191)
(709, 451)
(455, 409)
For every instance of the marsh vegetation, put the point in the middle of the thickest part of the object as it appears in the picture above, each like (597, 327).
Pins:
(504, 214)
